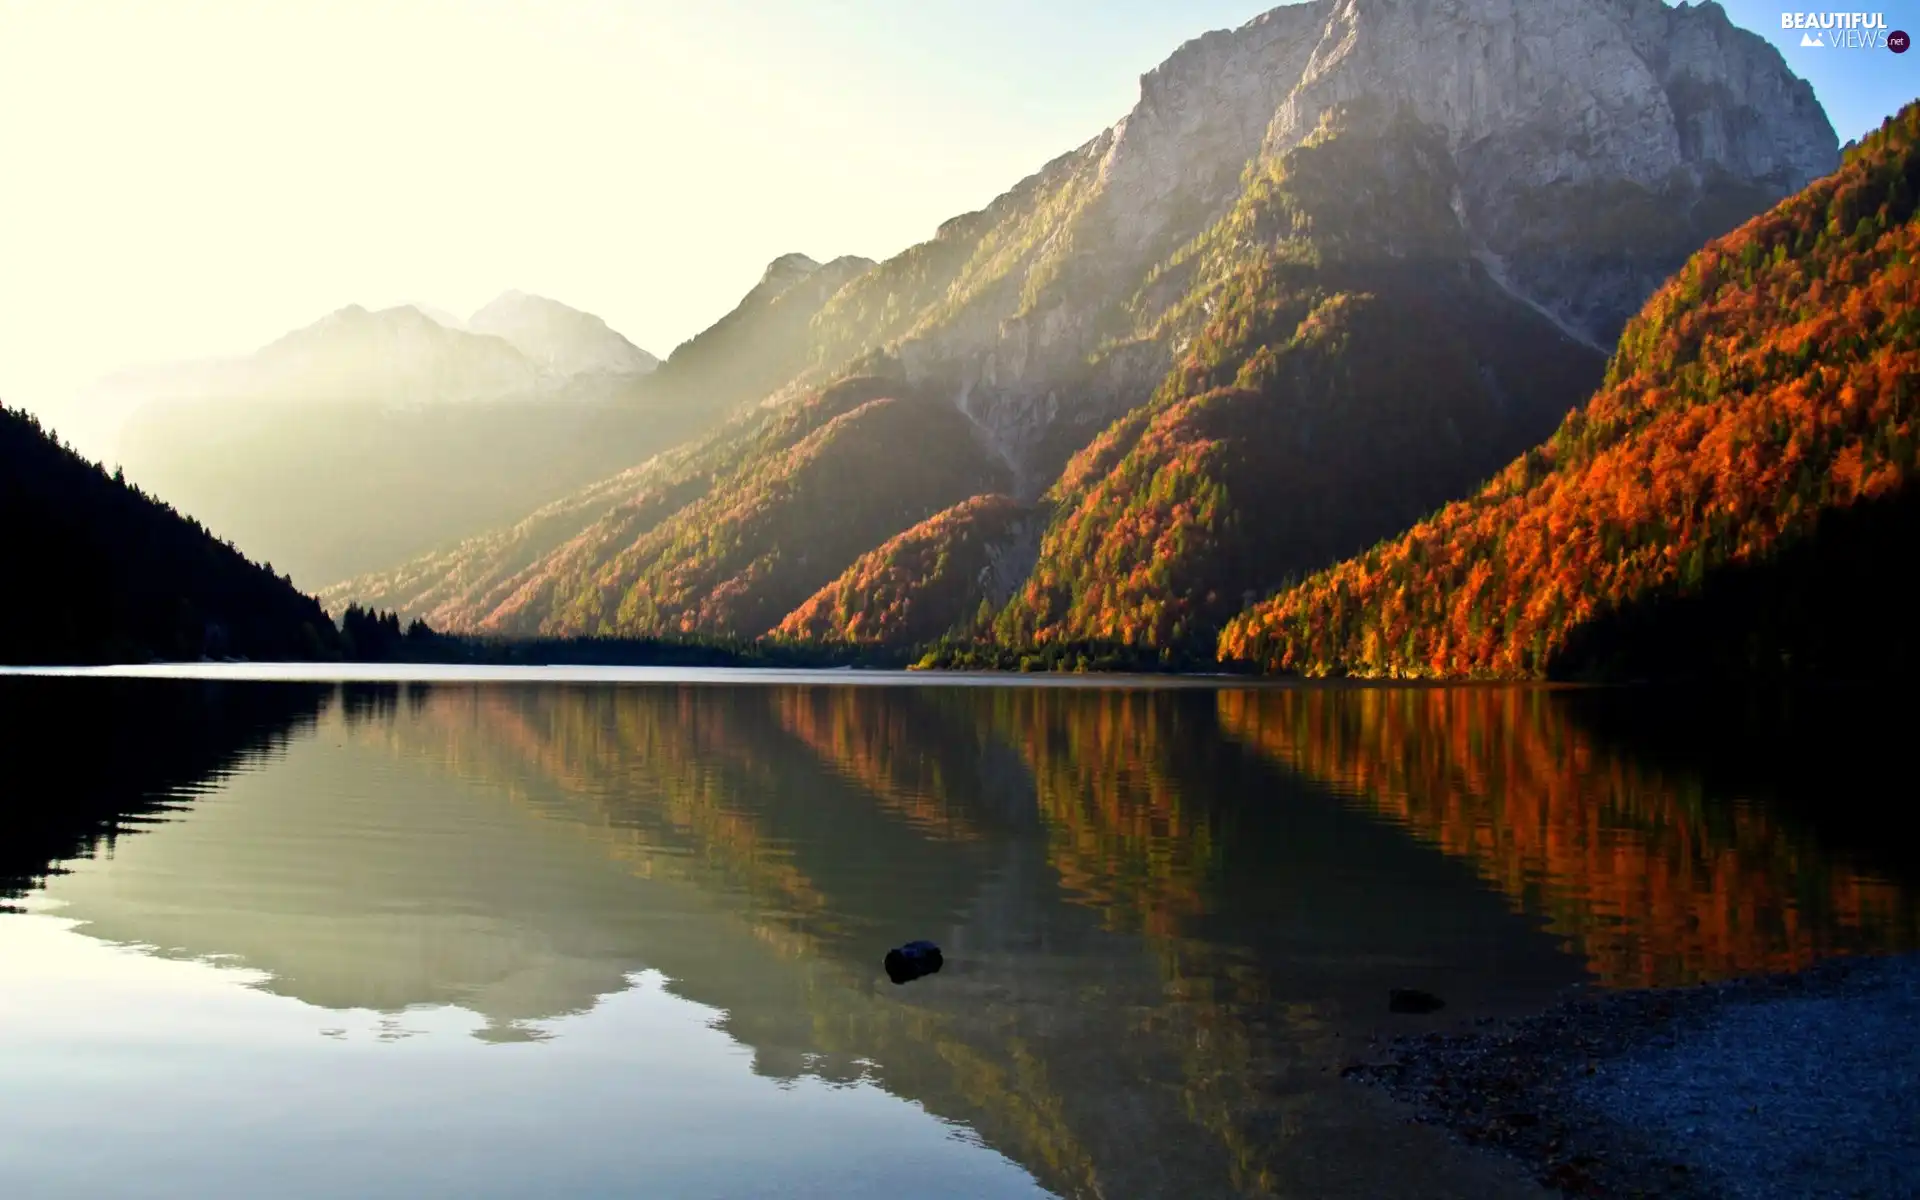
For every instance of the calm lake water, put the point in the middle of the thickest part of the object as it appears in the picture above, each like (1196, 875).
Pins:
(619, 933)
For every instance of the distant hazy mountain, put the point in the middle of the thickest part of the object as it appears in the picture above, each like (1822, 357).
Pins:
(762, 344)
(562, 340)
(367, 438)
(518, 346)
(400, 354)
(442, 315)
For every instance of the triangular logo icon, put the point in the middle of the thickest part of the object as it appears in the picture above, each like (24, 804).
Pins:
(1812, 39)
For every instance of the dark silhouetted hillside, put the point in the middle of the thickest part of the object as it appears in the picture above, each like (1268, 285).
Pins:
(99, 572)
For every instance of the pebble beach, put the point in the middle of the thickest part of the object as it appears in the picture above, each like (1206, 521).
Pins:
(1798, 1086)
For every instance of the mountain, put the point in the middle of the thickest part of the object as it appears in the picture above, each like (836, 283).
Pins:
(1303, 421)
(926, 582)
(371, 438)
(408, 351)
(1594, 146)
(1739, 499)
(562, 340)
(766, 536)
(727, 538)
(1335, 267)
(764, 342)
(404, 351)
(459, 586)
(400, 353)
(102, 572)
(733, 364)
(441, 315)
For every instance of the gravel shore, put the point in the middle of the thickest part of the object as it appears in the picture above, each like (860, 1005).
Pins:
(1795, 1086)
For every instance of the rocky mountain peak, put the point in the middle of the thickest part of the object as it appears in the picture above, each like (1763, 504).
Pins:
(1565, 116)
(1630, 89)
(561, 339)
(1595, 145)
(849, 264)
(787, 270)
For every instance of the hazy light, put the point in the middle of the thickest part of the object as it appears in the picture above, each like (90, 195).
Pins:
(196, 178)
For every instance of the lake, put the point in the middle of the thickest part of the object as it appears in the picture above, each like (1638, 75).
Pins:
(619, 933)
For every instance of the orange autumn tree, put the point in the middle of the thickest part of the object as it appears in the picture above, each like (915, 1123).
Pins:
(919, 585)
(1765, 395)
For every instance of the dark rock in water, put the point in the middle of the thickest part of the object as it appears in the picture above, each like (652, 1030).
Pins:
(912, 961)
(1413, 1000)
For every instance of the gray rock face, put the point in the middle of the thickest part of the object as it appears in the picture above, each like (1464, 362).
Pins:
(1599, 141)
(1572, 91)
(1597, 144)
(1202, 114)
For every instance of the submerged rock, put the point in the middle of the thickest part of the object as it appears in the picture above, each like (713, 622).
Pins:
(913, 961)
(1413, 1000)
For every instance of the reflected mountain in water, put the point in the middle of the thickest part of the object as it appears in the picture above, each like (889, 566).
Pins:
(1622, 817)
(1165, 913)
(83, 761)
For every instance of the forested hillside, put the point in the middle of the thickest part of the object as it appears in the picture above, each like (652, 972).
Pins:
(100, 572)
(1358, 367)
(1738, 499)
(784, 522)
(944, 575)
(728, 537)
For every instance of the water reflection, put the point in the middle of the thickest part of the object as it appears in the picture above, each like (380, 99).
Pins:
(1165, 913)
(1652, 876)
(83, 761)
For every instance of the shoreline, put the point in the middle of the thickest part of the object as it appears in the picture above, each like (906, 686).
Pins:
(613, 672)
(564, 668)
(1797, 1085)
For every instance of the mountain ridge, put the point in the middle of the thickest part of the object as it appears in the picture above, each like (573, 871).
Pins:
(1161, 271)
(1007, 334)
(345, 476)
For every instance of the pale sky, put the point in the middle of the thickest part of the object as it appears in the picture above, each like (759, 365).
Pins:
(194, 178)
